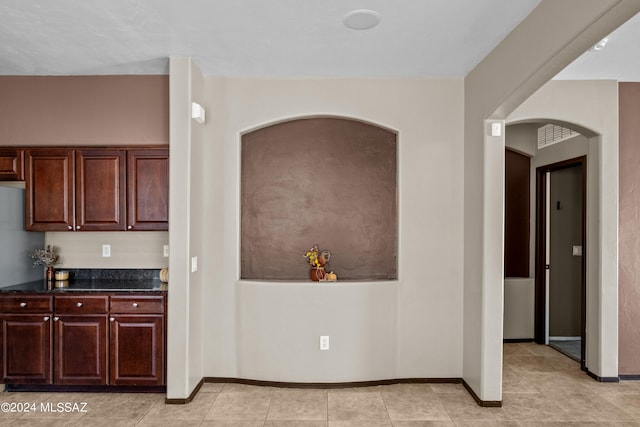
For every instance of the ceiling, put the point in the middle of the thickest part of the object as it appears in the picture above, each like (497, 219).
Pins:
(619, 60)
(276, 38)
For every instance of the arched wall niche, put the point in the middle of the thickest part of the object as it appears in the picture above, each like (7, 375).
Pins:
(323, 180)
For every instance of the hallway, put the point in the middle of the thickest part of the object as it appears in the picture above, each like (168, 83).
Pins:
(541, 387)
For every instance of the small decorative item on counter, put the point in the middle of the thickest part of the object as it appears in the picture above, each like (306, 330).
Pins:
(318, 261)
(332, 277)
(47, 257)
(164, 275)
(62, 279)
(62, 275)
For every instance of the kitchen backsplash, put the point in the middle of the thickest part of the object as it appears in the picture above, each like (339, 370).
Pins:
(113, 274)
(128, 249)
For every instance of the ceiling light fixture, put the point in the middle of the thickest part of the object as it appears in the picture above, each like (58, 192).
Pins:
(361, 19)
(601, 44)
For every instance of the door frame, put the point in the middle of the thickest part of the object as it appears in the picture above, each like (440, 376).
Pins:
(541, 246)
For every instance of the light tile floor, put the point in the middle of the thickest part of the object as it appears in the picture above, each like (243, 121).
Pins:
(540, 387)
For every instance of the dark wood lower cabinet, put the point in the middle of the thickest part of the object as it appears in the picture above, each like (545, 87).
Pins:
(86, 339)
(137, 350)
(26, 348)
(80, 354)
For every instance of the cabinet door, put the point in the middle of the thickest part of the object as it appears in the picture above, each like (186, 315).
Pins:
(11, 164)
(50, 189)
(80, 350)
(148, 189)
(137, 350)
(25, 355)
(100, 189)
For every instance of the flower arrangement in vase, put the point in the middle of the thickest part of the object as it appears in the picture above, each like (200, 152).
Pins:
(47, 257)
(318, 261)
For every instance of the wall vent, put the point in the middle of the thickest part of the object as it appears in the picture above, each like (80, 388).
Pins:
(552, 134)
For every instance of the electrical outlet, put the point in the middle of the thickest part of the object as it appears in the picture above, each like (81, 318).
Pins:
(106, 251)
(165, 251)
(194, 264)
(324, 342)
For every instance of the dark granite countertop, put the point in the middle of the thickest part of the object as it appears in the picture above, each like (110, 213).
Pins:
(82, 285)
(97, 280)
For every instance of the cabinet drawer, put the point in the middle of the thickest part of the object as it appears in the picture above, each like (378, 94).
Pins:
(137, 304)
(80, 304)
(25, 304)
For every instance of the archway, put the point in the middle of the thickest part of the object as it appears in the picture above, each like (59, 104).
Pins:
(585, 149)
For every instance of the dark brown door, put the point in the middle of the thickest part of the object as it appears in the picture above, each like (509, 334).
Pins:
(148, 189)
(50, 189)
(565, 253)
(137, 350)
(80, 350)
(576, 264)
(100, 190)
(11, 164)
(26, 349)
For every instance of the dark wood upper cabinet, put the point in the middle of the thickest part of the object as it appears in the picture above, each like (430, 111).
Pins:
(96, 189)
(148, 189)
(11, 164)
(100, 190)
(50, 185)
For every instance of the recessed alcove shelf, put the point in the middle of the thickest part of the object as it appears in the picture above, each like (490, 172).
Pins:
(319, 180)
(309, 283)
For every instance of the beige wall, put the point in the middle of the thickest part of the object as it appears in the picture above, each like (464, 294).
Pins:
(129, 249)
(84, 110)
(629, 229)
(270, 330)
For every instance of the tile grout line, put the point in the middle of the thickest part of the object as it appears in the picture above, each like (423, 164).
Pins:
(386, 409)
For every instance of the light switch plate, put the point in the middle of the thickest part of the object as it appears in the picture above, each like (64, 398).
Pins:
(106, 251)
(194, 264)
(577, 251)
(324, 342)
(165, 251)
(496, 129)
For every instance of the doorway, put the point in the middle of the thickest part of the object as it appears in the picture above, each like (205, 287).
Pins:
(560, 312)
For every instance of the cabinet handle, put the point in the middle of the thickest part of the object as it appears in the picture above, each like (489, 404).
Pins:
(56, 318)
(78, 227)
(79, 304)
(135, 304)
(46, 318)
(23, 304)
(129, 227)
(70, 227)
(111, 319)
